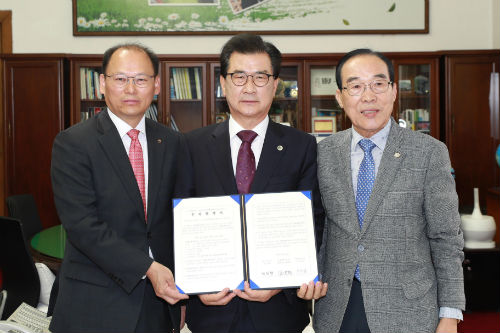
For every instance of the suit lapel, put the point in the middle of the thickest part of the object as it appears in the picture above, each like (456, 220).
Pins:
(220, 152)
(341, 157)
(112, 145)
(389, 166)
(274, 148)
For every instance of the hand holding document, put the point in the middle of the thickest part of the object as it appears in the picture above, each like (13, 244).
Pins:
(264, 239)
(162, 280)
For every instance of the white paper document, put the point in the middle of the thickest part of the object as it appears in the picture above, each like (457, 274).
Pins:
(266, 239)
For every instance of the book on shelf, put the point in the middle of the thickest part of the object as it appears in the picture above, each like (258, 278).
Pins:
(91, 111)
(152, 112)
(89, 83)
(197, 83)
(186, 83)
(265, 239)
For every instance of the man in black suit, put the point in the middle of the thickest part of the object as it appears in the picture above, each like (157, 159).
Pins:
(116, 275)
(285, 160)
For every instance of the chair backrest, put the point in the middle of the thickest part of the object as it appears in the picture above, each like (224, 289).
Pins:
(20, 277)
(23, 207)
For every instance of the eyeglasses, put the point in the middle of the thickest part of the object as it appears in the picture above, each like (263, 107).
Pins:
(140, 80)
(377, 86)
(259, 79)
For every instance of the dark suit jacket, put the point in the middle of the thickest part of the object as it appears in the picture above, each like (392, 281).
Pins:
(98, 201)
(208, 171)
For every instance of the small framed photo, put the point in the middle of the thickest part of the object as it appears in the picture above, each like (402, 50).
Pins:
(405, 85)
(324, 125)
(323, 81)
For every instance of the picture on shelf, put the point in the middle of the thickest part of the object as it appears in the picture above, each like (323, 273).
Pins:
(323, 81)
(405, 85)
(324, 124)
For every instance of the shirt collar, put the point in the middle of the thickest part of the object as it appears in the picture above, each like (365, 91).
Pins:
(123, 127)
(260, 129)
(379, 138)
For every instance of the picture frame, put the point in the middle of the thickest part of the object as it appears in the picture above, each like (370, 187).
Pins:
(323, 81)
(324, 125)
(226, 17)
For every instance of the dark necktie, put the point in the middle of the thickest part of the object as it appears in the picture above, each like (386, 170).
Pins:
(245, 165)
(366, 178)
(137, 162)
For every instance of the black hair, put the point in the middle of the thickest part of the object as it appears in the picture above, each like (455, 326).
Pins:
(249, 44)
(130, 46)
(358, 52)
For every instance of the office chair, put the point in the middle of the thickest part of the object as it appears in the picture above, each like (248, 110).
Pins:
(23, 207)
(20, 277)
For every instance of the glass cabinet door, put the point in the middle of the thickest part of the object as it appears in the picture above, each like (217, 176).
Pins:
(185, 100)
(286, 106)
(416, 107)
(326, 116)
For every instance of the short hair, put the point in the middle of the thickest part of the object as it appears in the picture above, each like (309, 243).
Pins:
(358, 52)
(249, 44)
(130, 46)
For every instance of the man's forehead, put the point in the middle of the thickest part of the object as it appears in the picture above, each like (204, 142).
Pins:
(245, 59)
(366, 65)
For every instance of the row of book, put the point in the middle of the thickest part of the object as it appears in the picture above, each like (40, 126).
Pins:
(89, 84)
(185, 83)
(91, 111)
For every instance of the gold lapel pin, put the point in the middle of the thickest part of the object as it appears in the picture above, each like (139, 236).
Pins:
(158, 140)
(280, 148)
(397, 155)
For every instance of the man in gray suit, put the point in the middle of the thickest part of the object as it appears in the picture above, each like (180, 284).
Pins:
(392, 246)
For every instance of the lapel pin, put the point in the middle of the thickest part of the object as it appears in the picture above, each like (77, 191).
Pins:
(280, 148)
(397, 155)
(158, 140)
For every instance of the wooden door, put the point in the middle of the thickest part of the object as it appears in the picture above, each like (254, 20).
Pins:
(34, 115)
(468, 125)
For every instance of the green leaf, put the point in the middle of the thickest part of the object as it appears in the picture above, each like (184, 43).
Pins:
(345, 22)
(392, 8)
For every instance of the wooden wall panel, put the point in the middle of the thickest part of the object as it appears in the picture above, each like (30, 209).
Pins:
(34, 115)
(468, 125)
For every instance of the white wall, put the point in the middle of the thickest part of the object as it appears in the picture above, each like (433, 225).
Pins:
(46, 27)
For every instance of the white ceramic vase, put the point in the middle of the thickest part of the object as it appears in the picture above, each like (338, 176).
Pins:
(478, 229)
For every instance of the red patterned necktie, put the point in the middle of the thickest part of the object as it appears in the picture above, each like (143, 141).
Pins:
(245, 165)
(137, 161)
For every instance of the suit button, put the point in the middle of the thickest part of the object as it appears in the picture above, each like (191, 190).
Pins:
(149, 235)
(361, 248)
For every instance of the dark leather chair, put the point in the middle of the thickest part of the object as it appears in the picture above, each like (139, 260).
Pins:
(19, 274)
(23, 207)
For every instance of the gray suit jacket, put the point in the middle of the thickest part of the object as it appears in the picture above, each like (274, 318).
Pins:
(410, 247)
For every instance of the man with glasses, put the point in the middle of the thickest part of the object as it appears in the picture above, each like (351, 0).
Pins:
(113, 177)
(282, 159)
(392, 247)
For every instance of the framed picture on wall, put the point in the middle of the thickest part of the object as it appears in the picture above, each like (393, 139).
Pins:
(177, 17)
